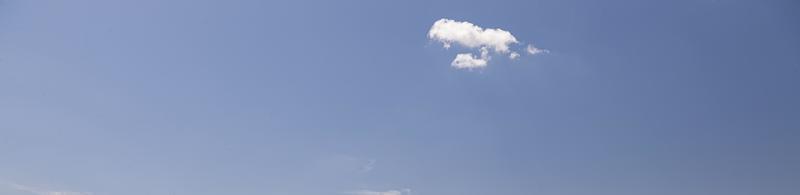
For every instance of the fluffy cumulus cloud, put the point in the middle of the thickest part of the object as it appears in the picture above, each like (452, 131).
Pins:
(468, 35)
(467, 60)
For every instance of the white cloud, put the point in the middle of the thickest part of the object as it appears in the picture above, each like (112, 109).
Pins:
(471, 36)
(39, 191)
(389, 192)
(467, 60)
(533, 50)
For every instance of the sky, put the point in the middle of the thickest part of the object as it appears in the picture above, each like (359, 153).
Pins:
(298, 97)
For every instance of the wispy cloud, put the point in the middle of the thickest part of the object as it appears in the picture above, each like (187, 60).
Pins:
(533, 50)
(41, 191)
(472, 36)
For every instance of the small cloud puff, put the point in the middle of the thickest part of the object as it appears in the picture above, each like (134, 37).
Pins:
(533, 50)
(468, 61)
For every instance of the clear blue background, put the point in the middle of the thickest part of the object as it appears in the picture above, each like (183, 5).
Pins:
(297, 97)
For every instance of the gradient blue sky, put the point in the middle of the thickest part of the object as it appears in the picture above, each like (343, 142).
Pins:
(199, 97)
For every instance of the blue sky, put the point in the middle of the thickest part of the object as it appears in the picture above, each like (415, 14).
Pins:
(353, 97)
